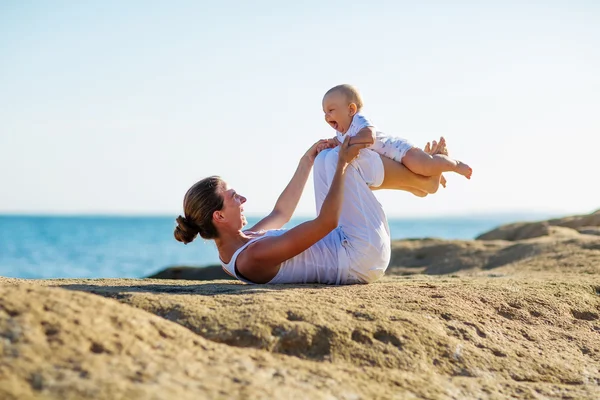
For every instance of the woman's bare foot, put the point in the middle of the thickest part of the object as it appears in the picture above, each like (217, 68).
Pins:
(437, 148)
(441, 147)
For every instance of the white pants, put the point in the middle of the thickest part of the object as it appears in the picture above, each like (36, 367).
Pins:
(362, 221)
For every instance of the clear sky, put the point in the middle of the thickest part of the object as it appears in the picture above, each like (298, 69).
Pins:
(118, 107)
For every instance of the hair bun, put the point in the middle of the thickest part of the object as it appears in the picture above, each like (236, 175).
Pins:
(185, 231)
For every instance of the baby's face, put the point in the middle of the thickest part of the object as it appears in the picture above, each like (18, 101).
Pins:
(338, 112)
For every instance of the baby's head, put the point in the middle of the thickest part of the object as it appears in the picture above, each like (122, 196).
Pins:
(340, 104)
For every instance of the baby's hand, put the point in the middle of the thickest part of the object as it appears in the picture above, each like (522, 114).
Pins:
(333, 142)
(322, 146)
(328, 144)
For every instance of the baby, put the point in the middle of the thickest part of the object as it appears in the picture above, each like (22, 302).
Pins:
(342, 106)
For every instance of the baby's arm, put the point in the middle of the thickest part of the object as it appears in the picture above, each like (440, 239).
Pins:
(366, 130)
(365, 136)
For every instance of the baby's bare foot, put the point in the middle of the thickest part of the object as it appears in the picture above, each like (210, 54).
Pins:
(463, 169)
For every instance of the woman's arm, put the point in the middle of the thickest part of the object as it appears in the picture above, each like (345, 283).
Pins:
(260, 261)
(288, 199)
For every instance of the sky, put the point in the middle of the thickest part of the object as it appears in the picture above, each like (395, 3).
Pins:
(119, 107)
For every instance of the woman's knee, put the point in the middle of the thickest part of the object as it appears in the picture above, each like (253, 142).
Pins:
(332, 157)
(324, 159)
(320, 159)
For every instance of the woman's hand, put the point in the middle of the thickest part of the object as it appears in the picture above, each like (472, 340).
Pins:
(312, 152)
(328, 144)
(349, 152)
(316, 148)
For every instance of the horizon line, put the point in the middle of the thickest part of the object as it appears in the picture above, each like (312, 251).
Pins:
(464, 214)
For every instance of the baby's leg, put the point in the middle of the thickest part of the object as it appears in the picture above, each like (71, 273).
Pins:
(422, 163)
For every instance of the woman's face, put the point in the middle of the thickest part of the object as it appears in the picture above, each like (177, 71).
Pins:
(233, 208)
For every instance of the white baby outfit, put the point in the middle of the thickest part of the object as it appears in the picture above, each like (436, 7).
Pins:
(359, 249)
(388, 146)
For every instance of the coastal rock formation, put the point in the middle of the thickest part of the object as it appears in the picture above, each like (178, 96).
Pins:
(558, 245)
(432, 337)
(568, 226)
(493, 319)
(547, 254)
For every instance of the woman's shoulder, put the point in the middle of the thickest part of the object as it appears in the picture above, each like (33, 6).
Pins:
(264, 232)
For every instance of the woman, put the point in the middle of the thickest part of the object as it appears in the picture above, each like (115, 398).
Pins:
(348, 242)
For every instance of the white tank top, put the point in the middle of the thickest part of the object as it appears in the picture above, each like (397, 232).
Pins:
(324, 262)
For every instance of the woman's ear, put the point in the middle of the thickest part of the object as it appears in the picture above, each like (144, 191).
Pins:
(218, 217)
(352, 108)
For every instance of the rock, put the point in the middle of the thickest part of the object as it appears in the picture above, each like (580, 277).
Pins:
(65, 344)
(424, 337)
(578, 221)
(524, 231)
(437, 256)
(517, 231)
(569, 252)
(192, 273)
(589, 230)
(517, 318)
(567, 226)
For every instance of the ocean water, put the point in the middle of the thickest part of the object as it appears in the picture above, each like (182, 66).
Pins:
(134, 247)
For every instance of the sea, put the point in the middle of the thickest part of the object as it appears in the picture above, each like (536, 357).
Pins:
(138, 246)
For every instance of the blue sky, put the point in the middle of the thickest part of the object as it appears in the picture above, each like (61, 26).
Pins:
(119, 108)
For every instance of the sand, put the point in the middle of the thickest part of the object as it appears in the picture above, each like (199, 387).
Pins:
(514, 316)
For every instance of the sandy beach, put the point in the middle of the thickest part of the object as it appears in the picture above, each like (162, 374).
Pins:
(513, 314)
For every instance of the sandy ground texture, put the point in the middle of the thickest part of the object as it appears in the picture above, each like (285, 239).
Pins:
(508, 317)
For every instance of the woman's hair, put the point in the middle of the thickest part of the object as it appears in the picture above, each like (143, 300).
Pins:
(199, 204)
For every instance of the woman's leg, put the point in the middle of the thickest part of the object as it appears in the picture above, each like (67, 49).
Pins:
(320, 179)
(398, 177)
(362, 220)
